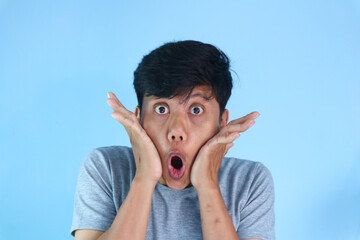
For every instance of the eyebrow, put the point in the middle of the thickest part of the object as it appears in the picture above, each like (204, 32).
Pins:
(206, 98)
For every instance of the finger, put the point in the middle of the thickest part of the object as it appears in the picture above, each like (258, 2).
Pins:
(131, 125)
(121, 114)
(123, 119)
(250, 116)
(239, 127)
(223, 139)
(227, 147)
(124, 116)
(113, 96)
(117, 106)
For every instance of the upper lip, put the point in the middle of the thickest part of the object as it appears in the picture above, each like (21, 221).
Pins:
(175, 153)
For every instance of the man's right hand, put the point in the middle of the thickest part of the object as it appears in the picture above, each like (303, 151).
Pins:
(148, 163)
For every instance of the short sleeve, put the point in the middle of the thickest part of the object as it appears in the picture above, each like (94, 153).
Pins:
(257, 215)
(93, 203)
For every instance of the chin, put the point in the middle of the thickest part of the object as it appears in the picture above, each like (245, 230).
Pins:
(177, 184)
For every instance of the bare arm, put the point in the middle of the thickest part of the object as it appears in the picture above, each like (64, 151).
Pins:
(215, 219)
(132, 218)
(216, 222)
(82, 234)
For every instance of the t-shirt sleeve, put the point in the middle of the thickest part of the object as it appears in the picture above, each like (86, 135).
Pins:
(94, 207)
(257, 215)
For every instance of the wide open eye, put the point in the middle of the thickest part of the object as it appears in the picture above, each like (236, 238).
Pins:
(161, 109)
(196, 110)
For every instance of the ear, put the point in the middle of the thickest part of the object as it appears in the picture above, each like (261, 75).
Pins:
(224, 118)
(137, 113)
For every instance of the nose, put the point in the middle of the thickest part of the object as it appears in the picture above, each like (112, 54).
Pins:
(177, 129)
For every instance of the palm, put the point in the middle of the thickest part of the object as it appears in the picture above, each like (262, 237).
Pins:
(204, 172)
(148, 164)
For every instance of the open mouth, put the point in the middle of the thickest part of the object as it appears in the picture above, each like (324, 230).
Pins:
(176, 166)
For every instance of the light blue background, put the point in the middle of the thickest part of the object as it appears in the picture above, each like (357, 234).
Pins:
(297, 63)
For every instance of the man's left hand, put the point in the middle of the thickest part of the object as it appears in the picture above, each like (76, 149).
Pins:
(204, 172)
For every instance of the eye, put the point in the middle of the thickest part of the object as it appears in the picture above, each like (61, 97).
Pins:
(196, 110)
(161, 109)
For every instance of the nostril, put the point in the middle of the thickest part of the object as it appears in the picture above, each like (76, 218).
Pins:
(174, 138)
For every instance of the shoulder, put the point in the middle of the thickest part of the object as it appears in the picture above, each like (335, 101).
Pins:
(248, 190)
(243, 167)
(110, 154)
(245, 175)
(109, 158)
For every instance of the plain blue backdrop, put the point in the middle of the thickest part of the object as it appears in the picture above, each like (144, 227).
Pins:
(296, 62)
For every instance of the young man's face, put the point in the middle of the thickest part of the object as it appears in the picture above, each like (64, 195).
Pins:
(179, 129)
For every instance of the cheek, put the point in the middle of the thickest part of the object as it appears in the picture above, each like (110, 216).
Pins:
(201, 133)
(208, 123)
(154, 131)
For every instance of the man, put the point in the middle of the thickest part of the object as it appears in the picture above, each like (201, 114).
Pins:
(174, 183)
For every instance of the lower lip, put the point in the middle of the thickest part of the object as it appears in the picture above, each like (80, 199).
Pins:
(176, 174)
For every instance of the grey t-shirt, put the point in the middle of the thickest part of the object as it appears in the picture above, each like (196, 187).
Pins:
(105, 178)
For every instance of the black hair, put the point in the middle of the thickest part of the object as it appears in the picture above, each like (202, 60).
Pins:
(176, 68)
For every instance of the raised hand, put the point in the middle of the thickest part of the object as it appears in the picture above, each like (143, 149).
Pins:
(148, 163)
(204, 172)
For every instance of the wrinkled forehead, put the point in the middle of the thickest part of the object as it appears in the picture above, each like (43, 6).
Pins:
(203, 92)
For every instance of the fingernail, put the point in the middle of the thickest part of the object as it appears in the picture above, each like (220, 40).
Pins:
(108, 95)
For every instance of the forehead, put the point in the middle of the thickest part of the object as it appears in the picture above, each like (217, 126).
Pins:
(203, 93)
